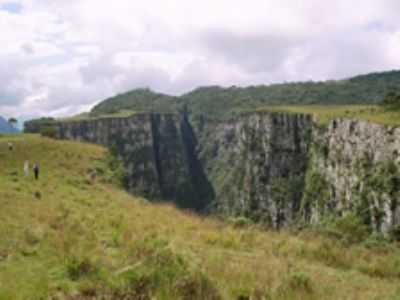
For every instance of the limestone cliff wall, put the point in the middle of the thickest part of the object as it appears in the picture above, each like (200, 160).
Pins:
(354, 167)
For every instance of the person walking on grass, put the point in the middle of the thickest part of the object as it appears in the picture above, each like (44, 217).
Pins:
(26, 168)
(10, 146)
(36, 170)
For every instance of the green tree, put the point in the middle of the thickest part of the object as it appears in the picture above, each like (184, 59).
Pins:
(391, 101)
(13, 122)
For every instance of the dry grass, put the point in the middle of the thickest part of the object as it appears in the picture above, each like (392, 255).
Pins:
(84, 240)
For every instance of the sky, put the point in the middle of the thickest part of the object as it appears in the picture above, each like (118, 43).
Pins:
(59, 58)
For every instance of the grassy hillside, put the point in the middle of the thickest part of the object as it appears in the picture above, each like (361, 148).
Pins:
(325, 113)
(67, 236)
(217, 102)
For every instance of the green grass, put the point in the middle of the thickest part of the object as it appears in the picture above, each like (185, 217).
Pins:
(325, 113)
(68, 237)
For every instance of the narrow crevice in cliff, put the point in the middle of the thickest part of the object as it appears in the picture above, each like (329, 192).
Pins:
(154, 119)
(205, 193)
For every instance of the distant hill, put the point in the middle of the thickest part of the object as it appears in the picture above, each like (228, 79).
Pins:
(5, 127)
(218, 102)
(137, 100)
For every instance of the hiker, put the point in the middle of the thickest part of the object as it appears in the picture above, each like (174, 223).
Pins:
(10, 146)
(36, 170)
(26, 168)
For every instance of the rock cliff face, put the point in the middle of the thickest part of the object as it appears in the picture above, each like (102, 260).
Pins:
(257, 165)
(354, 167)
(157, 153)
(270, 167)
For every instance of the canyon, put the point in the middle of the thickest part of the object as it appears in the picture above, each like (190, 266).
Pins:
(270, 167)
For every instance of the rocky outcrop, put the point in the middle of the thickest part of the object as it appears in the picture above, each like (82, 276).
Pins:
(354, 168)
(270, 167)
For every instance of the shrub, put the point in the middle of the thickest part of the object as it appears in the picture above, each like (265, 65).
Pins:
(376, 241)
(78, 267)
(383, 267)
(331, 254)
(158, 272)
(48, 131)
(391, 101)
(131, 285)
(395, 233)
(348, 229)
(297, 285)
(33, 236)
(240, 222)
(88, 289)
(115, 171)
(196, 287)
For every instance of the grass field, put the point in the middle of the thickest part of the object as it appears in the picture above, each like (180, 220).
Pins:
(325, 113)
(69, 237)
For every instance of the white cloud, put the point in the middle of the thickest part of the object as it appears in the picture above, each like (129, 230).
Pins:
(60, 57)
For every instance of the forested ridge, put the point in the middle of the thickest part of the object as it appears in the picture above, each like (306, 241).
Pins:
(220, 102)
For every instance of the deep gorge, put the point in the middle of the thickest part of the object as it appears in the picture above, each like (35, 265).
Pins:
(276, 168)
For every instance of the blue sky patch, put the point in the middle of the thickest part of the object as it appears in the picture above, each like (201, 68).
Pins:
(12, 7)
(376, 26)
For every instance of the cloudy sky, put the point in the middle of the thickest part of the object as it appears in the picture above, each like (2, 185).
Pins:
(61, 57)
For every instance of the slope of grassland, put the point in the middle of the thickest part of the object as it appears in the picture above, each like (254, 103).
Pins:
(325, 113)
(67, 236)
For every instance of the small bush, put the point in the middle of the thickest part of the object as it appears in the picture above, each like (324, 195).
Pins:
(348, 229)
(33, 236)
(48, 131)
(300, 281)
(158, 272)
(78, 267)
(131, 285)
(391, 101)
(297, 285)
(196, 287)
(395, 233)
(112, 170)
(88, 289)
(331, 254)
(37, 195)
(376, 241)
(240, 222)
(383, 267)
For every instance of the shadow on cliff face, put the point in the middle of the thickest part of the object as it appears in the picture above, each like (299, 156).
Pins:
(178, 173)
(203, 193)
